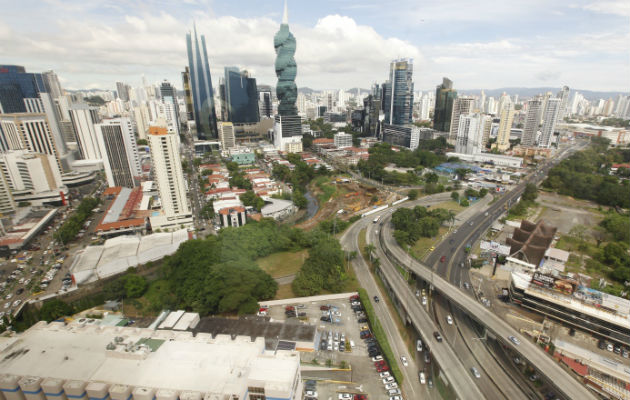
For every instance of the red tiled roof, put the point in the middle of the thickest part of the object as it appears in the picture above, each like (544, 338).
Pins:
(323, 141)
(576, 366)
(128, 223)
(229, 210)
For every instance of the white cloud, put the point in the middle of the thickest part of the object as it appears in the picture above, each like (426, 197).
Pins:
(616, 7)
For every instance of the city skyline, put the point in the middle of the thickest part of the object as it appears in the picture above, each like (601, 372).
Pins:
(341, 45)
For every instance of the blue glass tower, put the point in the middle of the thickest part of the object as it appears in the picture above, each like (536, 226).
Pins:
(201, 87)
(240, 97)
(398, 98)
(16, 85)
(286, 68)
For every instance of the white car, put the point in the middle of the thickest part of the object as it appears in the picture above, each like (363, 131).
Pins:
(395, 398)
(419, 345)
(392, 385)
(449, 320)
(377, 358)
(345, 396)
(17, 302)
(389, 379)
(424, 300)
(404, 361)
(311, 393)
(8, 296)
(7, 304)
(514, 340)
(384, 374)
(475, 372)
(393, 392)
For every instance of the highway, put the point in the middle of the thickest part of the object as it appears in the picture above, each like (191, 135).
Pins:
(561, 380)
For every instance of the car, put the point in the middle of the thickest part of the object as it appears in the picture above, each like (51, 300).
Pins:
(422, 378)
(382, 368)
(533, 378)
(364, 328)
(362, 320)
(360, 397)
(19, 291)
(601, 344)
(345, 396)
(430, 382)
(395, 398)
(609, 347)
(379, 362)
(389, 379)
(475, 372)
(384, 374)
(7, 304)
(393, 392)
(311, 393)
(449, 319)
(8, 296)
(514, 340)
(424, 300)
(417, 293)
(427, 357)
(517, 360)
(432, 248)
(419, 345)
(403, 359)
(467, 285)
(443, 258)
(437, 335)
(376, 299)
(390, 386)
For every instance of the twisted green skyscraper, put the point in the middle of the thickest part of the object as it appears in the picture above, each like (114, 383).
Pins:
(286, 68)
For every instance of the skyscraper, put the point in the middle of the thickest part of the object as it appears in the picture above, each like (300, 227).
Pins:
(506, 115)
(51, 82)
(171, 108)
(563, 95)
(265, 106)
(226, 135)
(398, 100)
(123, 91)
(33, 133)
(83, 120)
(120, 153)
(16, 85)
(168, 174)
(462, 105)
(190, 114)
(445, 96)
(550, 117)
(288, 125)
(531, 122)
(469, 133)
(240, 97)
(201, 86)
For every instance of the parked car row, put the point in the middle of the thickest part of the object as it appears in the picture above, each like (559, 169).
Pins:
(310, 390)
(615, 348)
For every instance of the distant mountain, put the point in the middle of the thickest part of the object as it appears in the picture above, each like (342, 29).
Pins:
(354, 90)
(531, 92)
(307, 90)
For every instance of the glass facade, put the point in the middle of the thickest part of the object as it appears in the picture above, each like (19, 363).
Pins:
(445, 97)
(398, 93)
(240, 97)
(16, 85)
(201, 87)
(286, 70)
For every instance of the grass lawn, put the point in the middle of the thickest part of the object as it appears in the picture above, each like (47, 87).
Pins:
(420, 249)
(328, 189)
(283, 263)
(449, 205)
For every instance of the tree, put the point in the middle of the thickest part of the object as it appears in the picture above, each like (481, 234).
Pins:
(369, 249)
(530, 193)
(142, 142)
(54, 309)
(135, 286)
(412, 194)
(299, 199)
(455, 196)
(249, 198)
(431, 177)
(462, 173)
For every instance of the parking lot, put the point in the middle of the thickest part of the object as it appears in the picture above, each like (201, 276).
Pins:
(340, 364)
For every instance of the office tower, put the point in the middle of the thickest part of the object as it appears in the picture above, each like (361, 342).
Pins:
(425, 106)
(28, 173)
(201, 86)
(481, 105)
(190, 114)
(119, 151)
(123, 91)
(469, 133)
(16, 85)
(398, 100)
(171, 108)
(51, 82)
(445, 96)
(371, 122)
(265, 105)
(487, 127)
(341, 99)
(461, 105)
(506, 115)
(405, 135)
(531, 122)
(288, 125)
(141, 122)
(226, 135)
(83, 120)
(343, 140)
(239, 97)
(167, 169)
(544, 99)
(29, 131)
(563, 95)
(550, 117)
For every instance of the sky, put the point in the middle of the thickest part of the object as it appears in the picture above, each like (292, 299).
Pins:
(478, 44)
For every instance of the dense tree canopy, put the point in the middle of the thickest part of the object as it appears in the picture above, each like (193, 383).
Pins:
(73, 225)
(411, 224)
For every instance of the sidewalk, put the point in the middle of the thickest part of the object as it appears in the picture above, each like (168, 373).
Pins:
(473, 209)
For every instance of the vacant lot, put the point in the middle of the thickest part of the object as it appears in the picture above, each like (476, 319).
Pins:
(282, 264)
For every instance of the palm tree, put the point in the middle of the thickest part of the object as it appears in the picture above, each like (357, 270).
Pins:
(369, 248)
(451, 216)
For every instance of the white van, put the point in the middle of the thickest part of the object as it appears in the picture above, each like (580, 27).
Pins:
(352, 344)
(423, 380)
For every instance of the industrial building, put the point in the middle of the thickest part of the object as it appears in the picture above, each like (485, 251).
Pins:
(87, 361)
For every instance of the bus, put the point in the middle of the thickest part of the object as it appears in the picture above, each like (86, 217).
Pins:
(376, 219)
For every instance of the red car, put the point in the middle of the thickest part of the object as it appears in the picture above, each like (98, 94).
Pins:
(379, 363)
(360, 397)
(382, 368)
(443, 259)
(324, 308)
(289, 308)
(355, 297)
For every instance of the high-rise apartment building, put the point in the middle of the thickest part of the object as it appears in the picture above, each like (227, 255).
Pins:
(119, 151)
(123, 91)
(398, 99)
(445, 96)
(550, 117)
(168, 174)
(532, 118)
(84, 119)
(51, 82)
(26, 171)
(239, 97)
(343, 140)
(506, 115)
(29, 131)
(7, 204)
(563, 95)
(461, 105)
(190, 113)
(470, 133)
(171, 108)
(201, 86)
(227, 135)
(265, 101)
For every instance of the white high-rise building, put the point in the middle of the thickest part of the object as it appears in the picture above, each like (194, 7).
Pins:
(29, 131)
(84, 119)
(118, 147)
(534, 108)
(506, 115)
(168, 174)
(226, 135)
(470, 133)
(462, 105)
(550, 116)
(425, 107)
(563, 95)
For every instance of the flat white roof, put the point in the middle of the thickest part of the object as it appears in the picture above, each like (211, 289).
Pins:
(177, 361)
(595, 360)
(172, 319)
